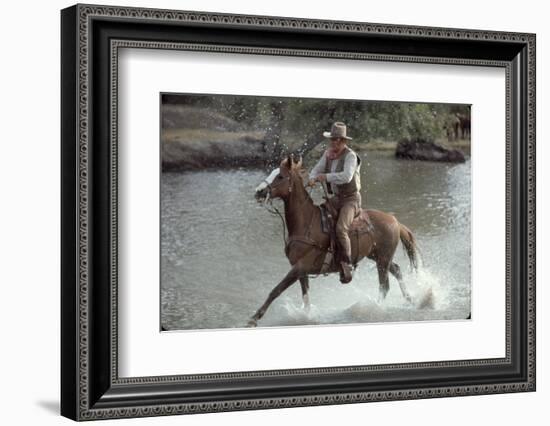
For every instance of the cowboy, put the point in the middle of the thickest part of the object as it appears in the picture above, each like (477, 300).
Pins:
(339, 167)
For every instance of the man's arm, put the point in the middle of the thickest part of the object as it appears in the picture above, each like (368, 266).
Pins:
(319, 168)
(345, 175)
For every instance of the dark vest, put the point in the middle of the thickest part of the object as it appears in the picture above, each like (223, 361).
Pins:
(354, 185)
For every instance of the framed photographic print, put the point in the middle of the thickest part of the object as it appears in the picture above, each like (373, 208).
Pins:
(263, 212)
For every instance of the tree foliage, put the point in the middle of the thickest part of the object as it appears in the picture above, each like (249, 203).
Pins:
(306, 118)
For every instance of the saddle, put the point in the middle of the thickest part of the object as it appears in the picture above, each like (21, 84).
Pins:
(329, 216)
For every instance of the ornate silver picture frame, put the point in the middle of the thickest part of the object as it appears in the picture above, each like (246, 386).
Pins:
(91, 386)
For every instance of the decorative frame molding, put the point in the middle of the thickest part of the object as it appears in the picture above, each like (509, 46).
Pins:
(91, 37)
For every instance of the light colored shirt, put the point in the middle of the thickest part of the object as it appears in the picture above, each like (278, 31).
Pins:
(337, 178)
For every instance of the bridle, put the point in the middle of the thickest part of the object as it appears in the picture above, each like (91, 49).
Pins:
(271, 187)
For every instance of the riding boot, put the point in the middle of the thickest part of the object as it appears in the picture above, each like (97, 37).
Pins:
(345, 272)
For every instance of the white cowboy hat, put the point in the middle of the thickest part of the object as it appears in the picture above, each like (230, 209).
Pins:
(338, 130)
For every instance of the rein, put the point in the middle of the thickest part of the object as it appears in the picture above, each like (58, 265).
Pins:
(325, 190)
(303, 239)
(275, 211)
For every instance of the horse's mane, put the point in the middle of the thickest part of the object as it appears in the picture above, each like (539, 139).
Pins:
(298, 174)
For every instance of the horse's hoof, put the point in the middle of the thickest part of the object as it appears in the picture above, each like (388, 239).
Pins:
(381, 298)
(306, 305)
(252, 323)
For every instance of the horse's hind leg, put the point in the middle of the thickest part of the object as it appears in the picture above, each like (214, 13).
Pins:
(383, 280)
(395, 270)
(304, 282)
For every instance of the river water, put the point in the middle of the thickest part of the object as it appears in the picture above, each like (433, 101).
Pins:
(222, 252)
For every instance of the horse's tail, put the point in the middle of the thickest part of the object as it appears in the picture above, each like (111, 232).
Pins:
(409, 242)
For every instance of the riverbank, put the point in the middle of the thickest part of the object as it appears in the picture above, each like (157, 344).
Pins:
(381, 145)
(196, 149)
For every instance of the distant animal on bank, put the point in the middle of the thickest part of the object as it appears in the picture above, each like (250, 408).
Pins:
(465, 125)
(452, 128)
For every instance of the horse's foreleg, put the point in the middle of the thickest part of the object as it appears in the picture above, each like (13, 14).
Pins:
(287, 281)
(396, 272)
(304, 282)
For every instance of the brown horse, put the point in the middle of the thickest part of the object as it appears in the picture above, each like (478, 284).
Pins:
(307, 244)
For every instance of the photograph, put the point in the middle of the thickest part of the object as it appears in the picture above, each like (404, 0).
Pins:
(290, 211)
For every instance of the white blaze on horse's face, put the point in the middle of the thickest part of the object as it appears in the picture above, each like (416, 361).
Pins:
(268, 180)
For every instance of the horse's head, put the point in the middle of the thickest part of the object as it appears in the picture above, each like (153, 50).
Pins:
(280, 181)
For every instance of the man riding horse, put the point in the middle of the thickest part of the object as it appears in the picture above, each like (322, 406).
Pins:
(307, 244)
(339, 167)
